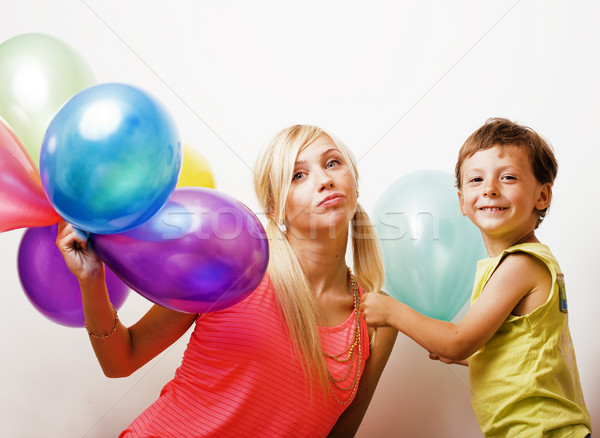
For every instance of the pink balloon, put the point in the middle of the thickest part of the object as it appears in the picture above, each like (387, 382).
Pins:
(23, 203)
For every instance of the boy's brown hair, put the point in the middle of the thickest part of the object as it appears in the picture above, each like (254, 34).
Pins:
(502, 132)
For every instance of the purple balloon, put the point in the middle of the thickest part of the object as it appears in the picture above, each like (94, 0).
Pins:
(50, 286)
(203, 251)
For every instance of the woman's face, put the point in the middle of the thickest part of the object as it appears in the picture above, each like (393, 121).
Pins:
(323, 193)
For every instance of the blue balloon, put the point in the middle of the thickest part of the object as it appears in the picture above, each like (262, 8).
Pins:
(110, 158)
(430, 249)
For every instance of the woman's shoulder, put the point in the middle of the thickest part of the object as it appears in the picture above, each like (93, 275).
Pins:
(263, 290)
(257, 298)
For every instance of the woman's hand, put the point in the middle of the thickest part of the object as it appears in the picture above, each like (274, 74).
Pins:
(80, 259)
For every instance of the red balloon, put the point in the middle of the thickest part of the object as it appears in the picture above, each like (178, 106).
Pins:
(23, 203)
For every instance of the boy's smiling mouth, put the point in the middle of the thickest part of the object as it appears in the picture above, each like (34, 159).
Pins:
(492, 209)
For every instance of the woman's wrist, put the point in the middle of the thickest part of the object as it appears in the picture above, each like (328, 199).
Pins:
(107, 333)
(92, 277)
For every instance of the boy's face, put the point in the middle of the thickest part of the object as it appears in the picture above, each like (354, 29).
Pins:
(500, 192)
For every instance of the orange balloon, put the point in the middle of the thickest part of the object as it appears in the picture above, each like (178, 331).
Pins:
(23, 203)
(195, 170)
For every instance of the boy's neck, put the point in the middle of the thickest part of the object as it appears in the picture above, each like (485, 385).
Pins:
(495, 245)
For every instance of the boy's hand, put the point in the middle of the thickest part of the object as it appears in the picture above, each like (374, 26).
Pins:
(376, 309)
(434, 356)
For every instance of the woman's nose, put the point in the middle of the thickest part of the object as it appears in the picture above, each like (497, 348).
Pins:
(325, 181)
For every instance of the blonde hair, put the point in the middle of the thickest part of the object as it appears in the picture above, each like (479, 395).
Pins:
(273, 176)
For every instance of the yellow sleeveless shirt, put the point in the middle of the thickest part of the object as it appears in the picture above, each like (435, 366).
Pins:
(524, 380)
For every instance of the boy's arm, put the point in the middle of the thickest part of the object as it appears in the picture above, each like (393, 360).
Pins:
(518, 275)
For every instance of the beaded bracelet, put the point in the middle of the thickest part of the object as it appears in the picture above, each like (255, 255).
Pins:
(93, 335)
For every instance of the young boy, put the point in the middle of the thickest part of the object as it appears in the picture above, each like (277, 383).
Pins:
(523, 374)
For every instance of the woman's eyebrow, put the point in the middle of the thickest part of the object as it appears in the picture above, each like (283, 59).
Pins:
(328, 151)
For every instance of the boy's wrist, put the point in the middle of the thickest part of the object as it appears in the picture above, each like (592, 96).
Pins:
(394, 310)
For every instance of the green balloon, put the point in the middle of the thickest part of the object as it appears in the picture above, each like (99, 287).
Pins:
(38, 73)
(430, 249)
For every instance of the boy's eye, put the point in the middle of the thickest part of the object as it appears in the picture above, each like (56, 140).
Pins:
(475, 179)
(509, 177)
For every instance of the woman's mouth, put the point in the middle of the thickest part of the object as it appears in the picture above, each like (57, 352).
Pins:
(331, 200)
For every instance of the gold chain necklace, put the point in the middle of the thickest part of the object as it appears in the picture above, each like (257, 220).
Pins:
(349, 352)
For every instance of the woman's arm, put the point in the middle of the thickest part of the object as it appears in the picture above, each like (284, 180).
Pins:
(120, 350)
(517, 276)
(348, 423)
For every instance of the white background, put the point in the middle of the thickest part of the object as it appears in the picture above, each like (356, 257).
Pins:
(402, 83)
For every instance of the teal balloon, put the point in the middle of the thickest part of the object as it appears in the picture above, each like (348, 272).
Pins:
(38, 74)
(430, 249)
(110, 158)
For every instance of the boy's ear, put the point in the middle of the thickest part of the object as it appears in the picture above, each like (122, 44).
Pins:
(461, 202)
(544, 198)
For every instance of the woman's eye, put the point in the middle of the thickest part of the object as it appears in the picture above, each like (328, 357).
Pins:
(332, 163)
(298, 176)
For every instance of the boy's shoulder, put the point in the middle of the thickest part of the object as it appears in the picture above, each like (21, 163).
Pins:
(527, 256)
(524, 270)
(528, 253)
(519, 284)
(522, 264)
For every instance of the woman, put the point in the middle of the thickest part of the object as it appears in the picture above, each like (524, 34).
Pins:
(294, 358)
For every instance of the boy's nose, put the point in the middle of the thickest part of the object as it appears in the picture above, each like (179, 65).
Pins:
(491, 193)
(490, 190)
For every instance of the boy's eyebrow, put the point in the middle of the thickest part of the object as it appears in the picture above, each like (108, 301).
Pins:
(508, 166)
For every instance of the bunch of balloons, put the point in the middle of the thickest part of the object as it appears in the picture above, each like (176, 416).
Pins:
(430, 250)
(110, 160)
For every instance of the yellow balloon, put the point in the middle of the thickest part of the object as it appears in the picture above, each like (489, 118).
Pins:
(195, 170)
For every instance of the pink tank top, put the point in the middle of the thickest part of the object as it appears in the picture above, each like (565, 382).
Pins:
(240, 377)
